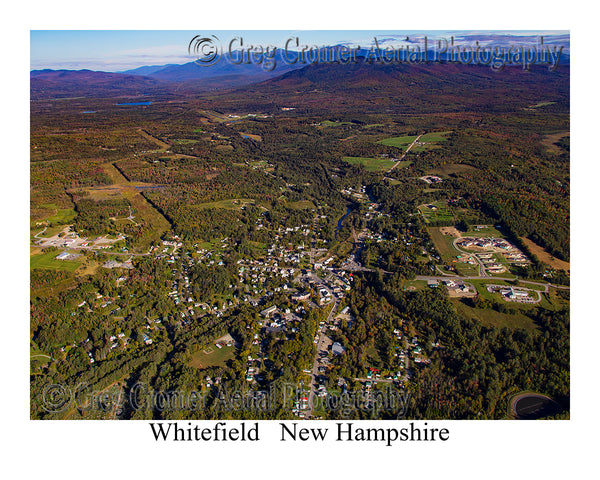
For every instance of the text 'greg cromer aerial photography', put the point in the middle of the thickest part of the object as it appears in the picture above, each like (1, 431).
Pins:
(311, 225)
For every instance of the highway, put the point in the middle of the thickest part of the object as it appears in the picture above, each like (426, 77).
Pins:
(456, 277)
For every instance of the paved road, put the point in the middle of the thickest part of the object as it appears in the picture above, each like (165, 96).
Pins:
(457, 277)
(315, 368)
(404, 154)
(482, 270)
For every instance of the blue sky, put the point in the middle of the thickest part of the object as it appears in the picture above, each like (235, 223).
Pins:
(117, 50)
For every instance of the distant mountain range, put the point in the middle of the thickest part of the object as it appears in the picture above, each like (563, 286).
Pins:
(147, 80)
(87, 83)
(386, 82)
(192, 71)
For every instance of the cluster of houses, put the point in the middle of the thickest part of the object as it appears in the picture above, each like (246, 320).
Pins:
(489, 243)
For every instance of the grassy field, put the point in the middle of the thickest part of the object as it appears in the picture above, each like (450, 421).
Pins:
(466, 269)
(371, 164)
(443, 244)
(398, 142)
(492, 318)
(329, 123)
(541, 104)
(430, 141)
(162, 145)
(451, 168)
(63, 216)
(488, 231)
(217, 357)
(404, 164)
(414, 285)
(545, 257)
(49, 232)
(300, 205)
(549, 141)
(442, 211)
(48, 261)
(548, 301)
(434, 137)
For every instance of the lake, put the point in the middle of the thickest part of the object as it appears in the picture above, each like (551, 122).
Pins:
(134, 103)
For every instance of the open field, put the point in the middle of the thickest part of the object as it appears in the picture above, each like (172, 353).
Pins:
(371, 164)
(162, 145)
(491, 318)
(541, 104)
(48, 261)
(329, 123)
(140, 207)
(545, 257)
(412, 285)
(451, 168)
(443, 243)
(436, 211)
(398, 142)
(216, 357)
(300, 205)
(434, 137)
(549, 141)
(466, 269)
(487, 231)
(429, 141)
(548, 301)
(61, 215)
(47, 233)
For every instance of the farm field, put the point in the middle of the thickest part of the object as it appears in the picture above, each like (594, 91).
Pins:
(398, 142)
(429, 141)
(371, 164)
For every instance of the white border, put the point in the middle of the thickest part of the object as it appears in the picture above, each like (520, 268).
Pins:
(477, 449)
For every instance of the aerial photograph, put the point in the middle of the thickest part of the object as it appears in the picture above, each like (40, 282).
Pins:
(299, 225)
